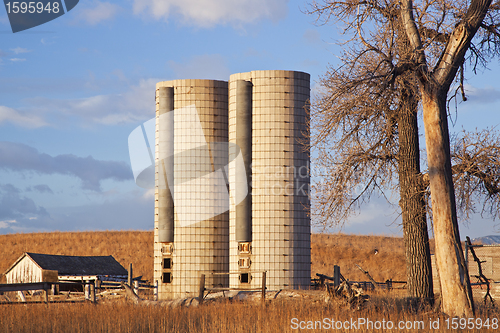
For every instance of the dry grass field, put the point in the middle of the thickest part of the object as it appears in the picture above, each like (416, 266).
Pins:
(382, 256)
(229, 317)
(136, 247)
(127, 247)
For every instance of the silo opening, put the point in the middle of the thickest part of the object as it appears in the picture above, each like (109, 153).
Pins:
(167, 248)
(167, 277)
(245, 247)
(167, 263)
(245, 277)
(245, 262)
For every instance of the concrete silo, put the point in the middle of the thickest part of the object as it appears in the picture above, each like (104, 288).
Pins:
(270, 230)
(191, 153)
(209, 155)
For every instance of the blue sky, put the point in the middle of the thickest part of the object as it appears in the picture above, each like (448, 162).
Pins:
(73, 89)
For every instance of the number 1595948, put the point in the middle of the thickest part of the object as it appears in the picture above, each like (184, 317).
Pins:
(32, 7)
(471, 323)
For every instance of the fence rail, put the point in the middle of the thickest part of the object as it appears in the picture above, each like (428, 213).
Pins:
(201, 294)
(45, 286)
(365, 285)
(88, 287)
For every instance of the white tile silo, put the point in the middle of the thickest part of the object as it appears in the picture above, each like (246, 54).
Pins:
(279, 239)
(200, 242)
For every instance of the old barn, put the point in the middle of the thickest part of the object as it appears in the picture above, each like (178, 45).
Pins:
(489, 256)
(36, 267)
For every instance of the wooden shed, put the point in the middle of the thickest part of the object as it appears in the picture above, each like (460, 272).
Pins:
(489, 255)
(36, 267)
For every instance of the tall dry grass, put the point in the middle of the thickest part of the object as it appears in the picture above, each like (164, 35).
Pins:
(136, 247)
(382, 256)
(126, 247)
(277, 316)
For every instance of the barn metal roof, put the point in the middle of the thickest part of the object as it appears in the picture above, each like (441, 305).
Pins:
(76, 265)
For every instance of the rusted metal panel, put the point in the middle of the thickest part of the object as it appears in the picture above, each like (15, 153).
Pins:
(49, 275)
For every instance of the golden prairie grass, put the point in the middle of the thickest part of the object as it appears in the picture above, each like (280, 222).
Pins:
(382, 256)
(277, 316)
(226, 317)
(136, 247)
(126, 247)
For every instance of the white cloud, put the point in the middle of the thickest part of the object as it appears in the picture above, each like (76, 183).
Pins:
(484, 95)
(17, 59)
(15, 117)
(311, 36)
(19, 50)
(207, 13)
(16, 208)
(48, 41)
(100, 11)
(4, 19)
(6, 223)
(22, 158)
(126, 211)
(132, 106)
(208, 66)
(149, 194)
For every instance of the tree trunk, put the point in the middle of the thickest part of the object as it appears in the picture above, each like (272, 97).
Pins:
(412, 202)
(450, 261)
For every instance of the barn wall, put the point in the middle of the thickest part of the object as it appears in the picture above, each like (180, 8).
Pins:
(489, 255)
(491, 265)
(26, 271)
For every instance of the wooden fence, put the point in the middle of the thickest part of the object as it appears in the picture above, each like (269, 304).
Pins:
(201, 294)
(44, 286)
(365, 285)
(89, 288)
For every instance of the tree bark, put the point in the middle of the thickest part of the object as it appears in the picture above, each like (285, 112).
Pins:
(411, 190)
(454, 278)
(412, 201)
(450, 262)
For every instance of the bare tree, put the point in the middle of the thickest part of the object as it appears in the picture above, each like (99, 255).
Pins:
(439, 34)
(476, 172)
(366, 133)
(435, 79)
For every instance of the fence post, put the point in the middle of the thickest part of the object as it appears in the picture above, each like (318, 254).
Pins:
(264, 287)
(336, 275)
(156, 291)
(86, 287)
(46, 293)
(136, 287)
(130, 276)
(92, 292)
(202, 289)
(21, 296)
